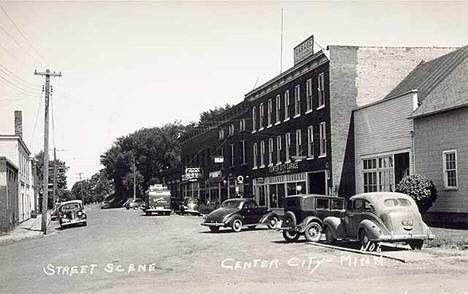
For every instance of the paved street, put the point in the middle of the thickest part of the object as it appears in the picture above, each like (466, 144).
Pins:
(122, 251)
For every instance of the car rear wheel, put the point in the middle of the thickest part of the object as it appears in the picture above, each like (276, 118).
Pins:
(272, 223)
(364, 239)
(237, 225)
(329, 237)
(290, 236)
(416, 244)
(214, 229)
(313, 232)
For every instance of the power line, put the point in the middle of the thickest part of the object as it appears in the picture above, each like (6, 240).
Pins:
(12, 74)
(52, 113)
(37, 117)
(17, 87)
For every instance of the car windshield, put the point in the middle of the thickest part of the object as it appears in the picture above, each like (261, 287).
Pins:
(232, 204)
(70, 207)
(191, 200)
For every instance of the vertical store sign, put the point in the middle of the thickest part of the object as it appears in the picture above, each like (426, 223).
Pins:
(304, 50)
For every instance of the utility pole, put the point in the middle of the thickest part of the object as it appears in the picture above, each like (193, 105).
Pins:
(134, 178)
(81, 187)
(45, 194)
(55, 177)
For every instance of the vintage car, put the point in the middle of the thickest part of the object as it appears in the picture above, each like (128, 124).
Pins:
(134, 203)
(158, 200)
(304, 215)
(236, 213)
(189, 206)
(377, 217)
(71, 213)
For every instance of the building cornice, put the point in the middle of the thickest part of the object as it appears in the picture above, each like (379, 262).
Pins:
(6, 137)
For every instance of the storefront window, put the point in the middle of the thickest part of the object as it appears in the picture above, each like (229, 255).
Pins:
(296, 188)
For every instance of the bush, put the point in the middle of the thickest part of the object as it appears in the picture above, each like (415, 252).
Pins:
(420, 188)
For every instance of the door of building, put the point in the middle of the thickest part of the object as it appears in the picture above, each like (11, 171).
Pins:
(317, 183)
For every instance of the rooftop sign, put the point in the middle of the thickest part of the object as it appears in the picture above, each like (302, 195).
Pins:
(304, 50)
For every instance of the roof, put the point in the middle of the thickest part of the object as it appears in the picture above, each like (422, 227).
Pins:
(427, 75)
(372, 196)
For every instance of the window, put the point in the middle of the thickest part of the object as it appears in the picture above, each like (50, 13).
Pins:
(286, 105)
(255, 155)
(322, 203)
(310, 142)
(321, 90)
(287, 146)
(231, 130)
(270, 110)
(262, 154)
(270, 151)
(243, 151)
(254, 119)
(221, 133)
(242, 125)
(278, 108)
(323, 139)
(232, 154)
(378, 174)
(450, 169)
(297, 100)
(261, 115)
(278, 149)
(309, 95)
(298, 143)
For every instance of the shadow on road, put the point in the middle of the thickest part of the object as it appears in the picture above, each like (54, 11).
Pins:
(229, 231)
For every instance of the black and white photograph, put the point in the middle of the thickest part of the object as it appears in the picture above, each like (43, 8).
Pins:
(198, 147)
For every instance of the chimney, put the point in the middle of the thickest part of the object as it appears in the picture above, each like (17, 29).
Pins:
(18, 123)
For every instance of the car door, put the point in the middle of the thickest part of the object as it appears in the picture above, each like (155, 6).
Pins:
(250, 212)
(351, 216)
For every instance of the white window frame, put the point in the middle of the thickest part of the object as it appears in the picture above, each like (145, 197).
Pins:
(231, 129)
(254, 119)
(278, 109)
(242, 125)
(323, 139)
(262, 154)
(278, 149)
(221, 133)
(298, 143)
(270, 112)
(446, 170)
(321, 91)
(255, 155)
(261, 111)
(287, 146)
(309, 104)
(310, 142)
(297, 100)
(286, 105)
(270, 151)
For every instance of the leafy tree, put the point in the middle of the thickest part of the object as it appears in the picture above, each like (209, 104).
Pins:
(100, 186)
(420, 188)
(211, 115)
(62, 192)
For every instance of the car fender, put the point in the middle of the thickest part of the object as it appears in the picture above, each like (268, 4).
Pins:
(266, 217)
(335, 225)
(231, 218)
(374, 231)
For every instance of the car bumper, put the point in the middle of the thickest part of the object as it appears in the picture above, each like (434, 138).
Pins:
(71, 222)
(397, 238)
(158, 210)
(216, 224)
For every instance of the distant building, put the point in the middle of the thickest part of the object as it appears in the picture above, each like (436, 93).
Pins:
(15, 150)
(8, 195)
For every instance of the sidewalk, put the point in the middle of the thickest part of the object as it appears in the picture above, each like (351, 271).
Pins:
(27, 229)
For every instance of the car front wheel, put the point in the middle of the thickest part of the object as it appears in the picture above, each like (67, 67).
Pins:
(416, 244)
(214, 229)
(313, 232)
(290, 236)
(237, 225)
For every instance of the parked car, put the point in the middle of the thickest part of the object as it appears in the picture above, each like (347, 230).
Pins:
(133, 203)
(72, 212)
(190, 206)
(379, 216)
(304, 215)
(236, 213)
(158, 200)
(105, 205)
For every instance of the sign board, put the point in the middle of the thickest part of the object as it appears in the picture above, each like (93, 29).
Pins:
(304, 50)
(218, 159)
(215, 174)
(240, 179)
(283, 168)
(192, 173)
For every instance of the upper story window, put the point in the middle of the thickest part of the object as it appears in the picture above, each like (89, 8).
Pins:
(287, 147)
(321, 90)
(270, 151)
(310, 142)
(261, 113)
(278, 108)
(255, 155)
(286, 105)
(254, 119)
(450, 169)
(298, 142)
(242, 125)
(309, 95)
(262, 154)
(323, 139)
(270, 111)
(278, 149)
(297, 101)
(221, 133)
(231, 129)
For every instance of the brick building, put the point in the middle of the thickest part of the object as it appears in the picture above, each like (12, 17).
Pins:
(9, 217)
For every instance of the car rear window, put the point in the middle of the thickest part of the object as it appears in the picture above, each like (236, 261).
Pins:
(404, 202)
(391, 202)
(322, 203)
(337, 204)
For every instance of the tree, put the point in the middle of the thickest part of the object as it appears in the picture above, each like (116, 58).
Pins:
(81, 190)
(100, 186)
(420, 188)
(62, 192)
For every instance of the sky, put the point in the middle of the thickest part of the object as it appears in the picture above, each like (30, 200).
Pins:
(128, 65)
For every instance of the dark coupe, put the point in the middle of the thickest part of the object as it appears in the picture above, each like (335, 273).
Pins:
(239, 212)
